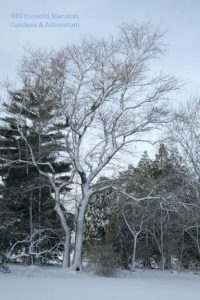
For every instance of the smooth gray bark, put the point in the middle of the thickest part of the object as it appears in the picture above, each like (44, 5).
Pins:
(66, 229)
(77, 260)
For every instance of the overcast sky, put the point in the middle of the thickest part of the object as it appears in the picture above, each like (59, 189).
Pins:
(181, 19)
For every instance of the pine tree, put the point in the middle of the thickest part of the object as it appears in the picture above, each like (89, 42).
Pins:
(26, 194)
(144, 162)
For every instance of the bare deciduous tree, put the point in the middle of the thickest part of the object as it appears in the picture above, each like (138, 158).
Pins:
(134, 216)
(108, 99)
(184, 135)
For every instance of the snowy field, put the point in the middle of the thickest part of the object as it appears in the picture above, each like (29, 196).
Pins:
(33, 283)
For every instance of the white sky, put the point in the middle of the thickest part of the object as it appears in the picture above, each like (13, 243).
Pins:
(100, 18)
(181, 18)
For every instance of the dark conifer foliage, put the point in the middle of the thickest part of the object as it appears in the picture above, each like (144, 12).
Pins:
(29, 218)
(156, 200)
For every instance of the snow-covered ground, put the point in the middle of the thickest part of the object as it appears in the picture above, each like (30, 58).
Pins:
(33, 283)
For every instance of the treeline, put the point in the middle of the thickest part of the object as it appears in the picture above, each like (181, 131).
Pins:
(148, 217)
(74, 111)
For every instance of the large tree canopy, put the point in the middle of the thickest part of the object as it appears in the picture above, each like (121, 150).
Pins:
(105, 96)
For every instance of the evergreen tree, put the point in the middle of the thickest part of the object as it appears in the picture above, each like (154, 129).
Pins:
(162, 182)
(26, 194)
(144, 162)
(99, 212)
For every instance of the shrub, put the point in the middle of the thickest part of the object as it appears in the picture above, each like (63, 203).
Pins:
(103, 259)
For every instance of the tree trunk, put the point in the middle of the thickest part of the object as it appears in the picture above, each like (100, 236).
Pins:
(66, 254)
(77, 260)
(66, 229)
(78, 250)
(134, 254)
(162, 252)
(31, 228)
(163, 263)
